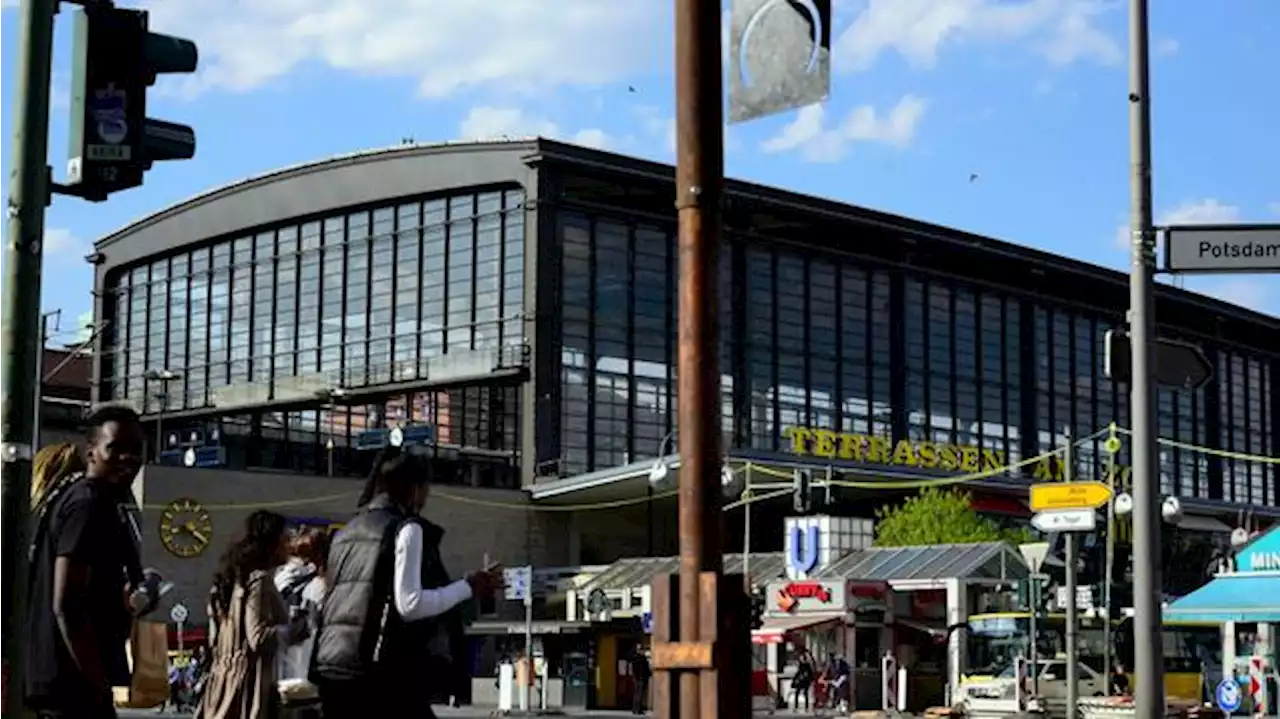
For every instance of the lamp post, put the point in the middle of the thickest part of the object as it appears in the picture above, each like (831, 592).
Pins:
(164, 377)
(331, 395)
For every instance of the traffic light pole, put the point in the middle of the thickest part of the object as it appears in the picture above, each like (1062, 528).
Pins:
(1073, 613)
(20, 326)
(1147, 669)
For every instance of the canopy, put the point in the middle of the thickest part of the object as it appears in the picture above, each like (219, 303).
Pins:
(774, 629)
(1239, 597)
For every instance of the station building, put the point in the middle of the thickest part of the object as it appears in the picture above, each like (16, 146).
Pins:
(512, 305)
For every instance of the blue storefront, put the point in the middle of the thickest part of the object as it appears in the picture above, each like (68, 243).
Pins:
(1246, 602)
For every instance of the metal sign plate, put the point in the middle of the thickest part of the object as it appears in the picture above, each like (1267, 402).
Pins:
(1222, 248)
(779, 56)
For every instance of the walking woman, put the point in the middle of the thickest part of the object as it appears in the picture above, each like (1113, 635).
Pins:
(250, 624)
(383, 639)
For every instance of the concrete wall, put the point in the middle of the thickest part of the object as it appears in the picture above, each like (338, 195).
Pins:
(476, 521)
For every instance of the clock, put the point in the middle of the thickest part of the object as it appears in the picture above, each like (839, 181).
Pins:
(185, 528)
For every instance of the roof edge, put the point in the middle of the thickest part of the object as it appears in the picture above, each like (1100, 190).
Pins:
(354, 157)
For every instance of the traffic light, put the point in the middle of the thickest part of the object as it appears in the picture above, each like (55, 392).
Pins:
(112, 141)
(802, 493)
(757, 609)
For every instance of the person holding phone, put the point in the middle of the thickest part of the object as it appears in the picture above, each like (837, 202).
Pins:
(389, 626)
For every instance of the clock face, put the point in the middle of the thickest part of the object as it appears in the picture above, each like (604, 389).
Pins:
(185, 528)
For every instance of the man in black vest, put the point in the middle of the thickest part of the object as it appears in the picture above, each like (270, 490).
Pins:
(386, 624)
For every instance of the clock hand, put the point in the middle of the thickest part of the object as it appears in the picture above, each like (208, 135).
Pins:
(191, 528)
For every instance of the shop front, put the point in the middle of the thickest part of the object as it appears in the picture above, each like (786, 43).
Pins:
(1246, 601)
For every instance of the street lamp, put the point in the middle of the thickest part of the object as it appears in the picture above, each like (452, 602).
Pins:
(164, 377)
(331, 395)
(660, 469)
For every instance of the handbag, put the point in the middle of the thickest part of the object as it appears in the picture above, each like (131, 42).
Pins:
(148, 652)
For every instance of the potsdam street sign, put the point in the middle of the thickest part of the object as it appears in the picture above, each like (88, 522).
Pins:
(1222, 248)
(1056, 496)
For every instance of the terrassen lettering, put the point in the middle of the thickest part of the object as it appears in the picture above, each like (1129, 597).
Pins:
(870, 449)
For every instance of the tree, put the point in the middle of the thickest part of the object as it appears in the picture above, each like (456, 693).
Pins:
(940, 516)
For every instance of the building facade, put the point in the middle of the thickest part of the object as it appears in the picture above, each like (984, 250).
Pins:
(517, 300)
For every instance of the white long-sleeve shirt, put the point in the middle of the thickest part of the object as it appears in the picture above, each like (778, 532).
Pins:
(412, 601)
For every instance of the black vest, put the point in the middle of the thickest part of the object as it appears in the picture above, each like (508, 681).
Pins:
(427, 647)
(361, 565)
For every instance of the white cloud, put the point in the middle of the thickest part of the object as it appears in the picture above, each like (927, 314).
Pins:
(492, 123)
(1063, 31)
(1251, 292)
(520, 46)
(60, 243)
(1167, 46)
(1198, 212)
(809, 134)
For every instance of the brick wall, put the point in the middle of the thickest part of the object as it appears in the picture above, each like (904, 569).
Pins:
(476, 521)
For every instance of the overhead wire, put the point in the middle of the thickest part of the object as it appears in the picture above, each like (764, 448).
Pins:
(748, 496)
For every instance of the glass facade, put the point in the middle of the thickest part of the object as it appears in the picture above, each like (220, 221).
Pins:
(358, 299)
(874, 355)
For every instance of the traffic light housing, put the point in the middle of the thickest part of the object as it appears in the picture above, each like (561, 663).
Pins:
(802, 494)
(112, 141)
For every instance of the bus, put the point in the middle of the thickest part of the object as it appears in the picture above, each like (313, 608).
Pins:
(1192, 651)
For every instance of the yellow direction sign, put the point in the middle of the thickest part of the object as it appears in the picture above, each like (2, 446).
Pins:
(1068, 495)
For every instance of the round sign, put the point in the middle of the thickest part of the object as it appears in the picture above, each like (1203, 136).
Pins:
(397, 437)
(1228, 695)
(179, 613)
(189, 457)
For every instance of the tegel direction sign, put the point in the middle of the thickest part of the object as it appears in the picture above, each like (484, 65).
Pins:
(1222, 248)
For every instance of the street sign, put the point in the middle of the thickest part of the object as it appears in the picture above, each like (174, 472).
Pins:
(179, 614)
(1051, 496)
(779, 56)
(1084, 597)
(519, 583)
(1222, 248)
(1066, 520)
(1177, 364)
(1228, 695)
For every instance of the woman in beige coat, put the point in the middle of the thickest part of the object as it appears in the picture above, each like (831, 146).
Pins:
(249, 625)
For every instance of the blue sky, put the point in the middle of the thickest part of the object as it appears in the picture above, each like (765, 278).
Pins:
(1026, 95)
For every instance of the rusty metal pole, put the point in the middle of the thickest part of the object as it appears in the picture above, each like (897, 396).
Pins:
(699, 188)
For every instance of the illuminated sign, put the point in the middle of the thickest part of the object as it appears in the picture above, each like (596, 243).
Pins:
(871, 449)
(789, 596)
(918, 454)
(802, 555)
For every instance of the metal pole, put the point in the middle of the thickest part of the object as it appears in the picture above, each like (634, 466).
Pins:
(1147, 669)
(699, 181)
(748, 500)
(20, 326)
(161, 397)
(1107, 571)
(526, 701)
(1033, 625)
(1073, 617)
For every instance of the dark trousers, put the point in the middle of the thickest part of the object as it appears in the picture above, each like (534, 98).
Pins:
(77, 708)
(354, 698)
(640, 699)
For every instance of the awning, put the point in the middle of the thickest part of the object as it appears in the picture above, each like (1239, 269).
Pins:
(1238, 597)
(776, 628)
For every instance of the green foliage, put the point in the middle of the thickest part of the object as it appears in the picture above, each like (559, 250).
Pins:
(940, 516)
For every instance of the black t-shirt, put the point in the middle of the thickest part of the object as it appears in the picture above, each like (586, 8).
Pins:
(85, 524)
